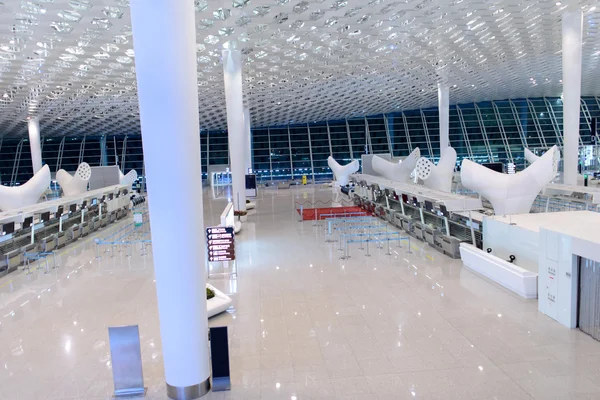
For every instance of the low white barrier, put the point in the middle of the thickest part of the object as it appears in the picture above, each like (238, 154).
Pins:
(512, 277)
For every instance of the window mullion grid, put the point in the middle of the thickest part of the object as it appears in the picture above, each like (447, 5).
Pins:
(550, 111)
(312, 165)
(464, 130)
(503, 133)
(387, 134)
(81, 149)
(124, 150)
(290, 147)
(349, 139)
(61, 149)
(16, 162)
(270, 154)
(536, 123)
(329, 139)
(368, 136)
(407, 133)
(484, 132)
(588, 117)
(426, 130)
(519, 124)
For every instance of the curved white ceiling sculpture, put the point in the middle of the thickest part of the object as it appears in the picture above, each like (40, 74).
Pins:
(530, 157)
(342, 172)
(399, 172)
(129, 178)
(72, 185)
(28, 193)
(71, 62)
(438, 176)
(511, 194)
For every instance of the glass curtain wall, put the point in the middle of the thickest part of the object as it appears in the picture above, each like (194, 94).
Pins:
(485, 131)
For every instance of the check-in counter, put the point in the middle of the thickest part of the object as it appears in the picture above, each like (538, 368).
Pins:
(451, 246)
(61, 239)
(418, 229)
(430, 234)
(85, 229)
(93, 224)
(74, 233)
(407, 223)
(13, 259)
(48, 243)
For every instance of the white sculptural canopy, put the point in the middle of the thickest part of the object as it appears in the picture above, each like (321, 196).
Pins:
(129, 178)
(438, 177)
(74, 184)
(399, 172)
(28, 193)
(511, 193)
(342, 172)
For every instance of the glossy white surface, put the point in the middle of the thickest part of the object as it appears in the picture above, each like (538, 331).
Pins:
(73, 185)
(342, 172)
(438, 177)
(397, 171)
(506, 274)
(306, 324)
(511, 193)
(14, 197)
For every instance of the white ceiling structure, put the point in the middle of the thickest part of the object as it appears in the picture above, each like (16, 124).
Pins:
(71, 62)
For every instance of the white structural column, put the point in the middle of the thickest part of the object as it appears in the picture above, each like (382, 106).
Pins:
(33, 124)
(168, 100)
(444, 112)
(232, 74)
(248, 133)
(572, 22)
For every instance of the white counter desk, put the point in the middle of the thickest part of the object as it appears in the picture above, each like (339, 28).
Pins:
(568, 190)
(18, 215)
(453, 202)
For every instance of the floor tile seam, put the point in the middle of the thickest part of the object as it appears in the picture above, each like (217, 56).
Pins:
(492, 361)
(474, 345)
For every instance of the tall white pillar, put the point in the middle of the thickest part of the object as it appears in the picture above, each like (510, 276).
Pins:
(572, 23)
(444, 115)
(33, 125)
(168, 100)
(232, 74)
(248, 134)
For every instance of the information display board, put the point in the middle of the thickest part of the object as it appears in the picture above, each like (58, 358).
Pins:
(220, 243)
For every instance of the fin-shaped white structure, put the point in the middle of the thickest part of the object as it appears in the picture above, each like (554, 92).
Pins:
(28, 193)
(530, 157)
(511, 194)
(129, 178)
(399, 172)
(342, 172)
(438, 177)
(73, 185)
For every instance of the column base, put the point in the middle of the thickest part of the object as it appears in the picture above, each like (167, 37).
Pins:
(188, 392)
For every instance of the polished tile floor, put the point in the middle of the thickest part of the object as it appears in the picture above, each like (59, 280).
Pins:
(305, 324)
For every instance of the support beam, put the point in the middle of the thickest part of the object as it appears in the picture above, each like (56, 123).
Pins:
(33, 125)
(572, 22)
(232, 76)
(168, 100)
(444, 112)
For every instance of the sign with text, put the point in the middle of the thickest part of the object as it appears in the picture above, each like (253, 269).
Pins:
(220, 243)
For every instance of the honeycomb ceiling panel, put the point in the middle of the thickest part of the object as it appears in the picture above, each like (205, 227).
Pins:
(71, 62)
